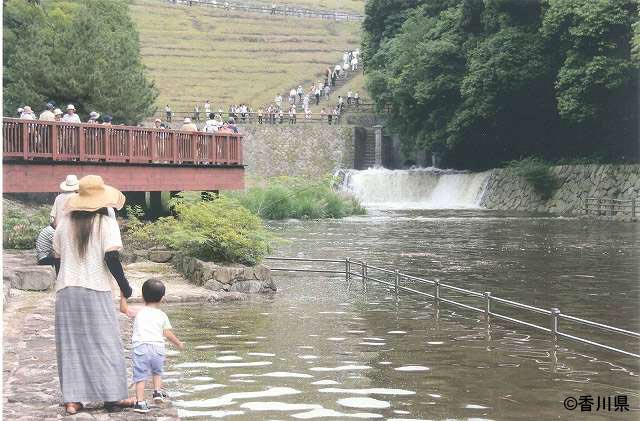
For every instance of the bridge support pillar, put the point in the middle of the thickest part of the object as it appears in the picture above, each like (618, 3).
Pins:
(378, 147)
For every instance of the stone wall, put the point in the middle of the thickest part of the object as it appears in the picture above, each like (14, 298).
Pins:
(224, 279)
(311, 150)
(575, 182)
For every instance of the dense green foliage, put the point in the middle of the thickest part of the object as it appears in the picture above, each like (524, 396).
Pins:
(291, 197)
(81, 52)
(489, 81)
(219, 230)
(21, 225)
(537, 173)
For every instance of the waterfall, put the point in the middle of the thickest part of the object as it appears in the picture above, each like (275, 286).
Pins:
(422, 188)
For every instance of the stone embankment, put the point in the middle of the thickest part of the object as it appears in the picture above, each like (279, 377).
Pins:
(30, 380)
(574, 183)
(297, 150)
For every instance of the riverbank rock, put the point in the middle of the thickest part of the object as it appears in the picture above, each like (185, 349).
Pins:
(33, 278)
(214, 277)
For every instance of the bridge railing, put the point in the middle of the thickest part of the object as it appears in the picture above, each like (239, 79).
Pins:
(602, 206)
(33, 139)
(394, 279)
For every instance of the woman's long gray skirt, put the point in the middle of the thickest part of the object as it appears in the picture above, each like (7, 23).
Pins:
(91, 363)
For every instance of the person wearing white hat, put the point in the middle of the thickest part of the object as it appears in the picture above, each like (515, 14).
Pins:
(57, 113)
(93, 118)
(19, 111)
(27, 113)
(188, 126)
(91, 363)
(69, 188)
(71, 116)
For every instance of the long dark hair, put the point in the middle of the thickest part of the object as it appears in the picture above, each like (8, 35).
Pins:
(82, 223)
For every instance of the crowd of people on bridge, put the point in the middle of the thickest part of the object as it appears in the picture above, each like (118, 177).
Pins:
(52, 113)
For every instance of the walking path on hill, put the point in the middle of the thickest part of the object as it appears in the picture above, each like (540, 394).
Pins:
(30, 382)
(280, 10)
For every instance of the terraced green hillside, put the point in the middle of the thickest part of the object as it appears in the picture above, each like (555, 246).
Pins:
(199, 53)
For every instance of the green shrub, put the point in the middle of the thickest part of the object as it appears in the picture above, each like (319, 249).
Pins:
(292, 197)
(537, 173)
(21, 225)
(219, 230)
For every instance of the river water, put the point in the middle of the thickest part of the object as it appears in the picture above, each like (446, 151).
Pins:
(316, 350)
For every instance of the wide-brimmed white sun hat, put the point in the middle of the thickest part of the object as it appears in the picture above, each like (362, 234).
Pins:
(187, 120)
(94, 194)
(71, 107)
(71, 183)
(57, 111)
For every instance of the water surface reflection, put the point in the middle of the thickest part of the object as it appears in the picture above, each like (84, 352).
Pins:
(316, 350)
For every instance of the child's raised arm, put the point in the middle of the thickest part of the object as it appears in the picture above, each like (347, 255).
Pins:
(168, 333)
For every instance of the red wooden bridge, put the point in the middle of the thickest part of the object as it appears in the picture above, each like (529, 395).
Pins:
(37, 155)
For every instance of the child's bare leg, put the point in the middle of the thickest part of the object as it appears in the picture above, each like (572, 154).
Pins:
(157, 382)
(140, 391)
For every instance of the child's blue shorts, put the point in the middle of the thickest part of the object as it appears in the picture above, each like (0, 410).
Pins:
(148, 359)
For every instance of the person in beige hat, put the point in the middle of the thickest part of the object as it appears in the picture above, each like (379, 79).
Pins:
(90, 355)
(69, 188)
(188, 126)
(71, 116)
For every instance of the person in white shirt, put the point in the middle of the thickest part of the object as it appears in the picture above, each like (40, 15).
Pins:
(300, 92)
(292, 96)
(278, 100)
(349, 95)
(356, 98)
(207, 107)
(151, 325)
(48, 115)
(354, 64)
(71, 116)
(27, 113)
(211, 125)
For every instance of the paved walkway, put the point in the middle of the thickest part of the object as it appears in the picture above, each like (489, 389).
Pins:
(30, 383)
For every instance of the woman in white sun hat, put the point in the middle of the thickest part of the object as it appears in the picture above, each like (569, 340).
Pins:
(90, 355)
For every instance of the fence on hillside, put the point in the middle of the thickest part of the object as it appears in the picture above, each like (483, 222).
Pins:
(293, 11)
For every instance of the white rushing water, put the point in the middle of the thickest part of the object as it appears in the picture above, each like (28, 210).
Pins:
(421, 188)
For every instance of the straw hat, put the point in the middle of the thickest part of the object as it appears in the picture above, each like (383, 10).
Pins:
(71, 183)
(94, 194)
(27, 109)
(71, 107)
(57, 111)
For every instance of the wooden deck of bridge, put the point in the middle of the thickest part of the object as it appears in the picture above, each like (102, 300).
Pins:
(38, 154)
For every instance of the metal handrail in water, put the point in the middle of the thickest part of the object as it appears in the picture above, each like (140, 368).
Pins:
(555, 313)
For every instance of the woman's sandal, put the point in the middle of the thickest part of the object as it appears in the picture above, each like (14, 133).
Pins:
(72, 408)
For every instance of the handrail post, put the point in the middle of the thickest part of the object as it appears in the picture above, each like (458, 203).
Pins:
(436, 295)
(130, 144)
(364, 275)
(174, 147)
(555, 313)
(81, 142)
(54, 142)
(487, 305)
(25, 140)
(347, 270)
(633, 207)
(397, 283)
(154, 145)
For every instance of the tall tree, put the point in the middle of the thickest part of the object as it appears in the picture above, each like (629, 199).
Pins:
(85, 53)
